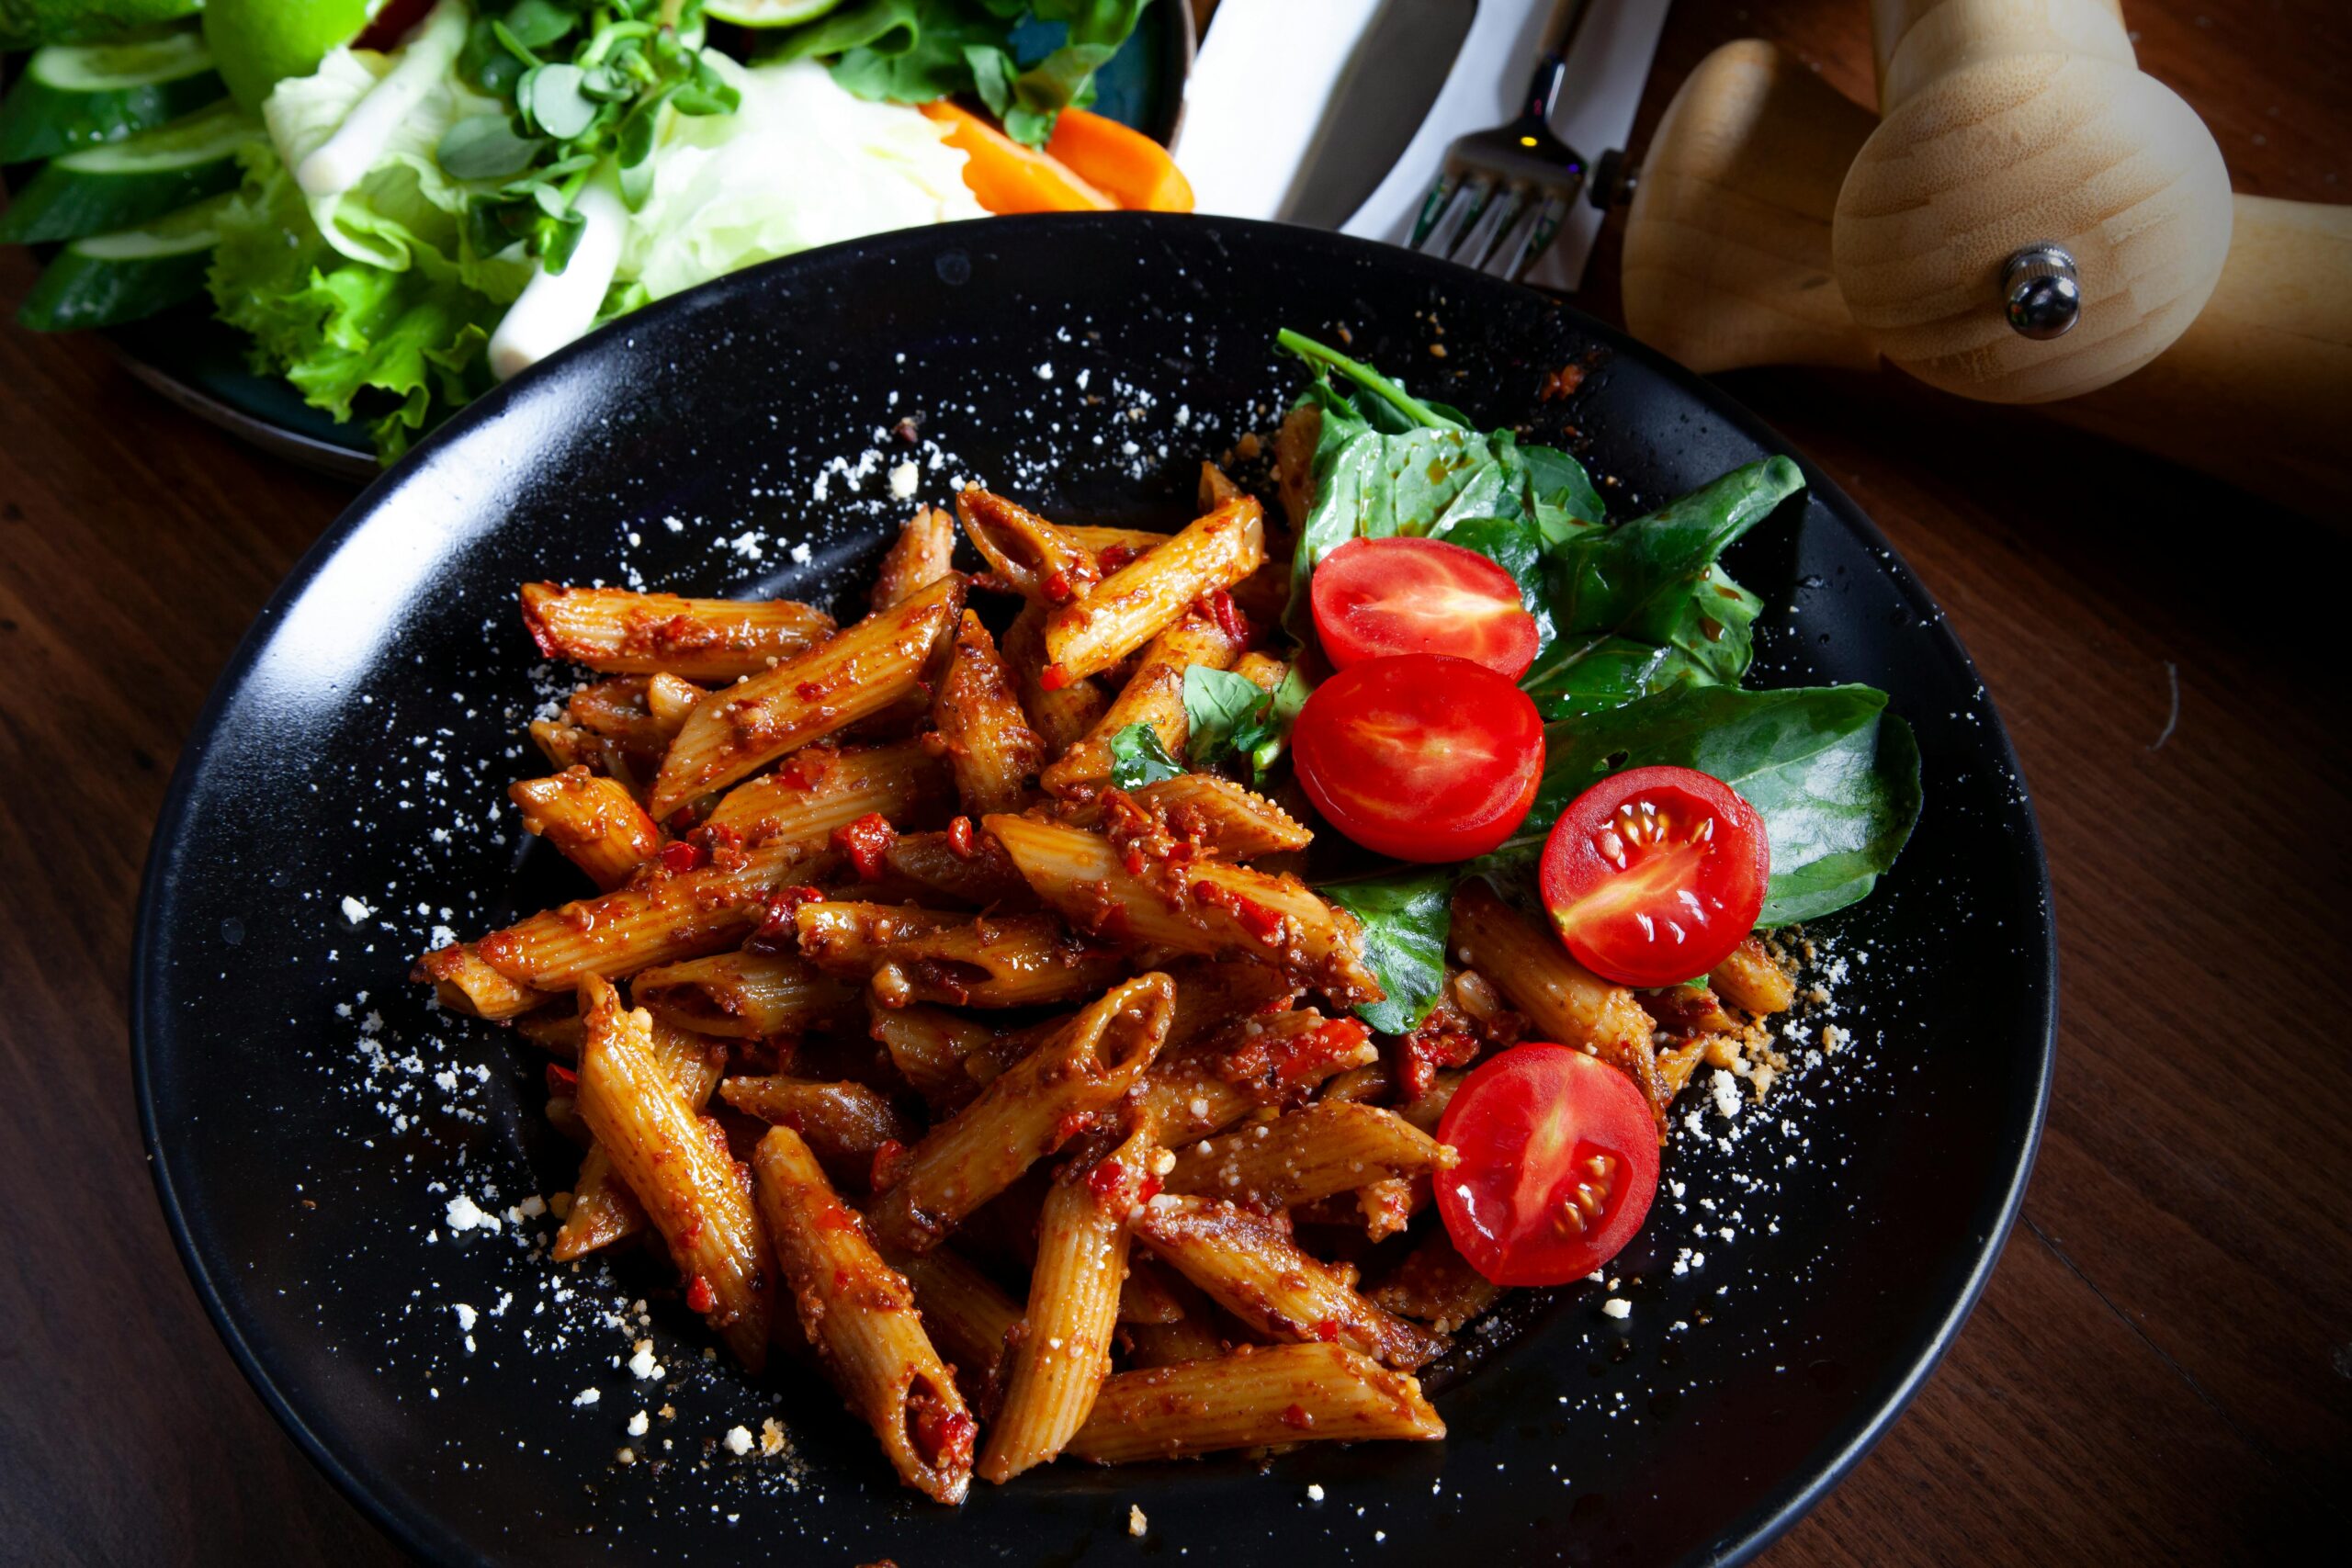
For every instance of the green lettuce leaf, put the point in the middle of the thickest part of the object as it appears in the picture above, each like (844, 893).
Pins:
(1406, 917)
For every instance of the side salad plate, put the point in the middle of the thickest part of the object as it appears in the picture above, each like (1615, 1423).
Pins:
(384, 1196)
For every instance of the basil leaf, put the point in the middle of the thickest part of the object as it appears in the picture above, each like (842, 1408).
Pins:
(1218, 704)
(485, 148)
(1407, 917)
(1271, 733)
(1138, 758)
(1835, 777)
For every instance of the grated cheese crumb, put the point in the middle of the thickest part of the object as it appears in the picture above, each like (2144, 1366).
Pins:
(1136, 1523)
(1314, 1493)
(584, 1398)
(738, 1439)
(1617, 1308)
(639, 1424)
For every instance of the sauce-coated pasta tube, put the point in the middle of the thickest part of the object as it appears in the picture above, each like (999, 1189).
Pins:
(847, 1124)
(1311, 1153)
(1144, 598)
(824, 788)
(603, 1209)
(930, 955)
(1207, 906)
(593, 822)
(677, 1165)
(855, 674)
(467, 984)
(972, 1322)
(1025, 1113)
(1062, 713)
(1153, 697)
(1074, 1289)
(1437, 1286)
(923, 552)
(994, 753)
(1218, 816)
(1254, 1398)
(622, 633)
(1037, 559)
(1749, 979)
(1563, 1000)
(859, 1315)
(1249, 1266)
(1258, 1061)
(744, 995)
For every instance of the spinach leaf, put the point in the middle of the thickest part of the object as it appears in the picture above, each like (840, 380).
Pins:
(1231, 715)
(1515, 544)
(1564, 501)
(1407, 919)
(1834, 775)
(1137, 758)
(1654, 579)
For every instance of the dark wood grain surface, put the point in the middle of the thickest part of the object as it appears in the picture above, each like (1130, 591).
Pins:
(2161, 1369)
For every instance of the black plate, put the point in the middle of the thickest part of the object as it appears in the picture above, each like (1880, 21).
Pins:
(310, 1118)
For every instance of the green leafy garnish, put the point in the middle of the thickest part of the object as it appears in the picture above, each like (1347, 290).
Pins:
(1138, 758)
(1835, 777)
(910, 51)
(582, 83)
(1406, 917)
(1231, 715)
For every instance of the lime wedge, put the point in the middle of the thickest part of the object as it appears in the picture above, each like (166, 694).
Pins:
(78, 95)
(259, 43)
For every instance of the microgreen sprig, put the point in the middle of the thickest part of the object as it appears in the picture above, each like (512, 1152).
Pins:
(584, 82)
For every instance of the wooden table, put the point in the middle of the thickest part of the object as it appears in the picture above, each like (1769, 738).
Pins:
(2161, 1367)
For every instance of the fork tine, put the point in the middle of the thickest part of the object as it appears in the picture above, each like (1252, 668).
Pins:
(1461, 209)
(1433, 208)
(1529, 238)
(1493, 223)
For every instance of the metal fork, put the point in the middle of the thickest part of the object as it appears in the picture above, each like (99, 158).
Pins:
(1504, 192)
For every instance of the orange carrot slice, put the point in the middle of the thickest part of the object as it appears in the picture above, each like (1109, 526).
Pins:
(1127, 164)
(1008, 178)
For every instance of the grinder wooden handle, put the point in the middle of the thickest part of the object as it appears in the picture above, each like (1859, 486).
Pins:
(1730, 260)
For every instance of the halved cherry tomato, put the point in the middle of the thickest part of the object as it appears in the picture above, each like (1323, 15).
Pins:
(1421, 757)
(1377, 597)
(1653, 876)
(1559, 1162)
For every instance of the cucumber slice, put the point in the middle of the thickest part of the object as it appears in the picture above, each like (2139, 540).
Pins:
(121, 184)
(79, 94)
(28, 24)
(768, 13)
(131, 273)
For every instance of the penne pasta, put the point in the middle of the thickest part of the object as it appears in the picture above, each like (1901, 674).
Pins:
(1563, 1000)
(1749, 979)
(1153, 697)
(677, 1164)
(1255, 1398)
(1144, 598)
(994, 752)
(1115, 548)
(1206, 906)
(1311, 1153)
(972, 1322)
(1062, 715)
(846, 1123)
(824, 788)
(555, 1031)
(928, 955)
(1027, 1112)
(593, 822)
(1061, 1360)
(744, 995)
(669, 699)
(1037, 559)
(1217, 490)
(859, 1315)
(948, 1058)
(1216, 816)
(465, 982)
(1436, 1286)
(603, 1209)
(923, 552)
(1255, 1062)
(1189, 1337)
(855, 674)
(619, 632)
(568, 746)
(1249, 1265)
(618, 709)
(1149, 1293)
(961, 865)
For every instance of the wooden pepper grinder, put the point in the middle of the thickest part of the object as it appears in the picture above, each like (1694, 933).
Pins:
(2031, 220)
